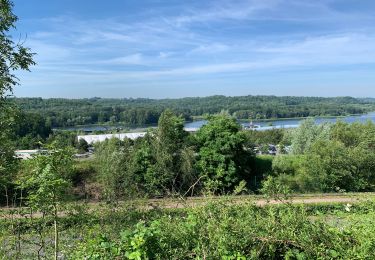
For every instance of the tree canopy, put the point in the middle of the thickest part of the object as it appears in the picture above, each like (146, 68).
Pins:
(223, 159)
(14, 56)
(70, 112)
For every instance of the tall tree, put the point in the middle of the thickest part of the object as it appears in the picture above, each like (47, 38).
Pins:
(169, 143)
(13, 57)
(47, 183)
(161, 161)
(308, 133)
(8, 162)
(113, 159)
(223, 160)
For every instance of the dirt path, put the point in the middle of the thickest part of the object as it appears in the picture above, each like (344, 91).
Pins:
(200, 201)
(194, 202)
(313, 200)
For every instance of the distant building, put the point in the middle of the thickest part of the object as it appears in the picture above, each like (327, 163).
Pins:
(91, 139)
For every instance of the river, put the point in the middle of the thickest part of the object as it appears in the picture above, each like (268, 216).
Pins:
(264, 125)
(292, 123)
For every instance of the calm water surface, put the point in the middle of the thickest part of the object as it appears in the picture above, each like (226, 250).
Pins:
(289, 123)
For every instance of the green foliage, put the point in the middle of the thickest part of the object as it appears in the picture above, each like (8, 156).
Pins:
(82, 146)
(262, 166)
(241, 188)
(223, 158)
(159, 164)
(84, 170)
(338, 157)
(169, 146)
(257, 138)
(272, 188)
(47, 184)
(29, 130)
(71, 112)
(14, 56)
(142, 167)
(308, 133)
(63, 139)
(113, 159)
(225, 231)
(134, 244)
(292, 171)
(48, 179)
(8, 162)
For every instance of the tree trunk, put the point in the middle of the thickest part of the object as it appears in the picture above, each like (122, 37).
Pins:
(40, 233)
(56, 233)
(6, 195)
(21, 199)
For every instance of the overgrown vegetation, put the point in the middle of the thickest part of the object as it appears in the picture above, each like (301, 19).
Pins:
(221, 159)
(218, 230)
(169, 162)
(329, 158)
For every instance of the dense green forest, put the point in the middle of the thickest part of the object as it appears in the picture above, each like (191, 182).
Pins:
(34, 118)
(70, 112)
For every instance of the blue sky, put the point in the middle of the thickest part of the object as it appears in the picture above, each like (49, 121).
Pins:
(176, 48)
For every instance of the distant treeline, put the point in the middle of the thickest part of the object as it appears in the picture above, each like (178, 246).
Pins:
(60, 112)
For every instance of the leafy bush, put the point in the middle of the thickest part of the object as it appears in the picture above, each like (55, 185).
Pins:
(329, 158)
(219, 231)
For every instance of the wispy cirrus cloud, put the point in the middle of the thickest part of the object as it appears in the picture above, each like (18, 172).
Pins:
(212, 39)
(225, 10)
(133, 59)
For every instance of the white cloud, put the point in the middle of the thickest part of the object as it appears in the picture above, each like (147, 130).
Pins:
(223, 10)
(134, 59)
(48, 52)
